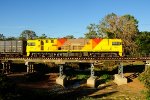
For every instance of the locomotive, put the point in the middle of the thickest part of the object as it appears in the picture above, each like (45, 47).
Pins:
(62, 47)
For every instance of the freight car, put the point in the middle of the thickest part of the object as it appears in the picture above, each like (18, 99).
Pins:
(13, 48)
(74, 47)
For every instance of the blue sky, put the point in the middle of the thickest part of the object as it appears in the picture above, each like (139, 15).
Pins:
(58, 18)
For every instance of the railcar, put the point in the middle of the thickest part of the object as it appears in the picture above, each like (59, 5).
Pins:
(74, 47)
(12, 48)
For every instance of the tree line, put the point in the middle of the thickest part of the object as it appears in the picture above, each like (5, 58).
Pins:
(111, 26)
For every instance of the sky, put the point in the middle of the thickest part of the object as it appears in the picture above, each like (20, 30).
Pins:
(58, 18)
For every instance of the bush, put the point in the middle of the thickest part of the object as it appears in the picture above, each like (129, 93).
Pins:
(148, 95)
(145, 78)
(106, 77)
(82, 76)
(7, 88)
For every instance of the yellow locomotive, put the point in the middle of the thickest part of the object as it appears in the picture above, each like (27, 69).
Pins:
(74, 47)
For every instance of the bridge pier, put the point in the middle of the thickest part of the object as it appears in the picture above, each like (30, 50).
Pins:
(147, 65)
(119, 78)
(62, 78)
(91, 81)
(6, 67)
(30, 67)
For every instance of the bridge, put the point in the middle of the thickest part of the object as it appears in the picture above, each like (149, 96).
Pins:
(74, 59)
(29, 62)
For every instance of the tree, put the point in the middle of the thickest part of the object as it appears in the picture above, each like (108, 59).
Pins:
(43, 36)
(124, 27)
(93, 32)
(108, 25)
(145, 78)
(28, 34)
(80, 37)
(2, 37)
(69, 37)
(143, 42)
(11, 38)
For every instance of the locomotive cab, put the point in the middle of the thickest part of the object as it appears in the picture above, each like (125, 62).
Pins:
(40, 46)
(116, 46)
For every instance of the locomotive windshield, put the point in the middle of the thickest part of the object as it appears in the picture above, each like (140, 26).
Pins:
(31, 44)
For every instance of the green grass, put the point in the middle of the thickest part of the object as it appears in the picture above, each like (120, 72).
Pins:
(88, 98)
(106, 77)
(81, 76)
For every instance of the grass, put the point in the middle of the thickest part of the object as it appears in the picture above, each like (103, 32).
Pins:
(81, 76)
(87, 98)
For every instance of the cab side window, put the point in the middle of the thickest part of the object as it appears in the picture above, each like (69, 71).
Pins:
(31, 43)
(116, 43)
(46, 41)
(52, 41)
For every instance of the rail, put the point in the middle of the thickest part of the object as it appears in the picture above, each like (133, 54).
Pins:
(75, 58)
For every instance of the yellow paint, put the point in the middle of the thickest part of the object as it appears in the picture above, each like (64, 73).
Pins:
(88, 46)
(52, 45)
(41, 45)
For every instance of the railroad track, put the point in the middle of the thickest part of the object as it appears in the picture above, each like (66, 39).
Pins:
(75, 58)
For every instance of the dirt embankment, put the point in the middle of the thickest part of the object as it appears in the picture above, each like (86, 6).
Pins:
(46, 88)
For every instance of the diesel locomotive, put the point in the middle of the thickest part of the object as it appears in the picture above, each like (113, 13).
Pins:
(62, 47)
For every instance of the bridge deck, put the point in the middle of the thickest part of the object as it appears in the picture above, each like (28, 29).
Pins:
(73, 59)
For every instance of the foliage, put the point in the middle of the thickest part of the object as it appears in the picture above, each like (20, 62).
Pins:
(7, 89)
(145, 78)
(81, 76)
(2, 37)
(106, 77)
(11, 38)
(109, 65)
(43, 36)
(143, 42)
(108, 25)
(113, 26)
(124, 27)
(148, 95)
(87, 98)
(69, 37)
(93, 31)
(81, 38)
(28, 34)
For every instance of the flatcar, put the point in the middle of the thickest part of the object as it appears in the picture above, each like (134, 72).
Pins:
(74, 47)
